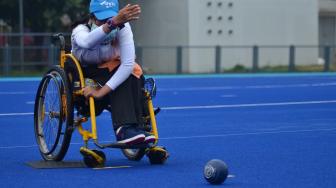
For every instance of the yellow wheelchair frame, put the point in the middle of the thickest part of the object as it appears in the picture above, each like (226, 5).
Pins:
(92, 158)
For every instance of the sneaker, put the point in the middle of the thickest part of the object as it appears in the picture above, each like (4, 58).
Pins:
(149, 138)
(129, 135)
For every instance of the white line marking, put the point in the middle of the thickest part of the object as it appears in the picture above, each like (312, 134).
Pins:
(31, 146)
(249, 87)
(14, 92)
(17, 114)
(245, 134)
(231, 176)
(325, 84)
(111, 167)
(16, 147)
(30, 102)
(227, 96)
(213, 106)
(201, 136)
(247, 105)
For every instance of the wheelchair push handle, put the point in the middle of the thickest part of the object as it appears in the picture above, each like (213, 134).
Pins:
(58, 38)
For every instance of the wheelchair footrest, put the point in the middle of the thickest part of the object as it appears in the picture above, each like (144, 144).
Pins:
(123, 146)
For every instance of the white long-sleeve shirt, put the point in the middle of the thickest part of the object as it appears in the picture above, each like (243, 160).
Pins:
(87, 48)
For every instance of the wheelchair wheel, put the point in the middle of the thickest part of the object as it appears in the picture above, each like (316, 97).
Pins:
(91, 162)
(134, 154)
(53, 115)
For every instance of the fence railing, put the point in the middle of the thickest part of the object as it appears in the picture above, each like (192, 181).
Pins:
(37, 54)
(256, 58)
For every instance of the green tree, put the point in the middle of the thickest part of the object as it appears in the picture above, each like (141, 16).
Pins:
(43, 15)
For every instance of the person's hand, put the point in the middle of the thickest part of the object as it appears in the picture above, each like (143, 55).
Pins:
(90, 92)
(126, 14)
(95, 93)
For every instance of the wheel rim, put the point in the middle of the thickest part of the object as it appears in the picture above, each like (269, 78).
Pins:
(50, 123)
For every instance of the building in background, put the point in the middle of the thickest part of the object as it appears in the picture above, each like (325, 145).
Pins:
(327, 22)
(236, 25)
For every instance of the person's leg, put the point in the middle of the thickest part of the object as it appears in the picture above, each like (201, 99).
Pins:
(140, 106)
(125, 113)
(126, 110)
(82, 106)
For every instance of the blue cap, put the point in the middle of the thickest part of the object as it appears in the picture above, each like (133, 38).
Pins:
(103, 9)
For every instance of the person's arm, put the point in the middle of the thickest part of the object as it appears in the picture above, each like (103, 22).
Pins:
(88, 40)
(127, 52)
(127, 56)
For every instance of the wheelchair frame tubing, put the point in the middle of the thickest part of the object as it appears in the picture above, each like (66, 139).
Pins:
(86, 135)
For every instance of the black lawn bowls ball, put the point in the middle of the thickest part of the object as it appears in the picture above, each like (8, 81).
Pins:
(216, 171)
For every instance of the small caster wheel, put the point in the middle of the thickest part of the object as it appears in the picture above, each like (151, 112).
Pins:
(93, 158)
(157, 155)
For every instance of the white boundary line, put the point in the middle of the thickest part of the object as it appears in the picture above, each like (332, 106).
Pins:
(249, 87)
(246, 134)
(214, 106)
(325, 84)
(111, 167)
(17, 114)
(16, 147)
(247, 105)
(203, 136)
(15, 93)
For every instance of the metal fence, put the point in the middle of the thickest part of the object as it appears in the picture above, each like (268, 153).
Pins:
(33, 53)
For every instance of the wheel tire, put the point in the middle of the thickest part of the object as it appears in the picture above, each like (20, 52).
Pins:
(134, 154)
(53, 121)
(91, 162)
(157, 155)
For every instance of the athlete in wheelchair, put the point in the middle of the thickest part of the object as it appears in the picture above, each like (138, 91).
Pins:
(99, 74)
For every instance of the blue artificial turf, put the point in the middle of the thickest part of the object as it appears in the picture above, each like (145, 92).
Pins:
(285, 139)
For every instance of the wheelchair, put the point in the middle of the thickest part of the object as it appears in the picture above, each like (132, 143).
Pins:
(57, 114)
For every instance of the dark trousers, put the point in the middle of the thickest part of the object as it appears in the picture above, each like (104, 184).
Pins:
(126, 103)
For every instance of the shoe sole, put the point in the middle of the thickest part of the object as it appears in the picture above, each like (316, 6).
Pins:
(150, 139)
(134, 140)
